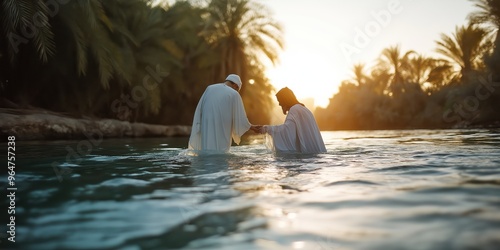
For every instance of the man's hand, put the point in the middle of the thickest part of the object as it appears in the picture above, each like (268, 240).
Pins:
(256, 128)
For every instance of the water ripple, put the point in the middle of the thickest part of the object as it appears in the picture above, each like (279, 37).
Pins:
(425, 189)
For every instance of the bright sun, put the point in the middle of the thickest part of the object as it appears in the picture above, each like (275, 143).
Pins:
(308, 75)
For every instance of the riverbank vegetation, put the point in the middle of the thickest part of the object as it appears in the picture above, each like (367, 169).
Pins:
(137, 61)
(405, 89)
(132, 60)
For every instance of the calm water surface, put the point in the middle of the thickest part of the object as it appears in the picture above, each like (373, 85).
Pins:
(418, 189)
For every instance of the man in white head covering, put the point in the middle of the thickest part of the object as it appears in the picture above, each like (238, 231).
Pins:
(219, 117)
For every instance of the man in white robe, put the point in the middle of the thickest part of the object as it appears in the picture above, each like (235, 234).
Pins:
(299, 133)
(219, 117)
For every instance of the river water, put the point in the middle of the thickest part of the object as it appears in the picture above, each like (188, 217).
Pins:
(409, 189)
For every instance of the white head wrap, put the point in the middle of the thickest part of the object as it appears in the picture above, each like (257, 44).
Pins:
(234, 78)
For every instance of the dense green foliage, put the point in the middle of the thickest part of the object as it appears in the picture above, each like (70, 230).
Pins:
(130, 60)
(409, 90)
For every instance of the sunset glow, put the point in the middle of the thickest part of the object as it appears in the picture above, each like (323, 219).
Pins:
(325, 38)
(305, 78)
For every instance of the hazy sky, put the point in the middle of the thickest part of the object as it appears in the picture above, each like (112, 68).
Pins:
(324, 38)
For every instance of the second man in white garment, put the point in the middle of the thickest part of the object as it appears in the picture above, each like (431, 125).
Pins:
(219, 117)
(300, 132)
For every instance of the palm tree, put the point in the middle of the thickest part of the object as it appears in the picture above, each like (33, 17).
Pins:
(94, 36)
(465, 48)
(380, 79)
(188, 52)
(144, 38)
(28, 21)
(95, 48)
(106, 48)
(429, 72)
(243, 33)
(359, 74)
(419, 68)
(489, 14)
(440, 75)
(20, 26)
(394, 62)
(376, 82)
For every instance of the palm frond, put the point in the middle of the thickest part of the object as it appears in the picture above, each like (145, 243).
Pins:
(29, 21)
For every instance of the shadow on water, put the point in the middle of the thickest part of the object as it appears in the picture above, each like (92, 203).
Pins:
(219, 211)
(226, 207)
(204, 226)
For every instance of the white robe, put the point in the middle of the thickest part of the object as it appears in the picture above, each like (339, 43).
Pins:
(299, 133)
(219, 116)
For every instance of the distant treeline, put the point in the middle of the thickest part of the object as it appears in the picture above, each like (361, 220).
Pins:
(409, 90)
(133, 60)
(136, 61)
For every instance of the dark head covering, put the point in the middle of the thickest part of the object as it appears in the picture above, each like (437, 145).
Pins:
(286, 97)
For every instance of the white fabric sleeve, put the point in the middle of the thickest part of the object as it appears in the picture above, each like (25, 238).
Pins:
(240, 120)
(195, 137)
(284, 136)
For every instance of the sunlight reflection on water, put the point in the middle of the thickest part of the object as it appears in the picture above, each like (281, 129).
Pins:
(424, 189)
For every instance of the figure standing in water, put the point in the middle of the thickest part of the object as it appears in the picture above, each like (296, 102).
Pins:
(219, 117)
(300, 132)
